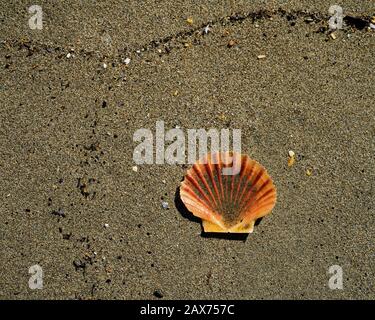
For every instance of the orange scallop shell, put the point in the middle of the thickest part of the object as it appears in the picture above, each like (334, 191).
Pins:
(228, 202)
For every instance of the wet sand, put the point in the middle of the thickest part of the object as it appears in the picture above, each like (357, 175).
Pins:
(71, 202)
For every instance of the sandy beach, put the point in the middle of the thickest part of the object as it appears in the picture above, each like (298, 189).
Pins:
(74, 93)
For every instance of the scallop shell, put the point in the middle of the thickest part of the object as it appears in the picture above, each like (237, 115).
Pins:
(228, 202)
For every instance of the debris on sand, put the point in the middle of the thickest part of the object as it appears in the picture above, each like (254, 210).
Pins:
(190, 20)
(206, 29)
(70, 54)
(165, 205)
(231, 43)
(333, 36)
(135, 168)
(127, 61)
(261, 56)
(59, 213)
(308, 172)
(292, 158)
(158, 294)
(291, 161)
(222, 116)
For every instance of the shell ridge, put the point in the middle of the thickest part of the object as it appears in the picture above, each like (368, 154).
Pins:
(251, 189)
(198, 187)
(218, 173)
(203, 179)
(248, 183)
(213, 182)
(243, 169)
(192, 195)
(258, 204)
(201, 210)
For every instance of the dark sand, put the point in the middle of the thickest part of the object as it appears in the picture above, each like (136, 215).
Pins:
(61, 149)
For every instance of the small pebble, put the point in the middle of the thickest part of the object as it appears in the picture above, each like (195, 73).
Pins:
(231, 43)
(292, 158)
(104, 65)
(135, 168)
(333, 36)
(291, 161)
(106, 225)
(60, 213)
(261, 56)
(222, 116)
(158, 294)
